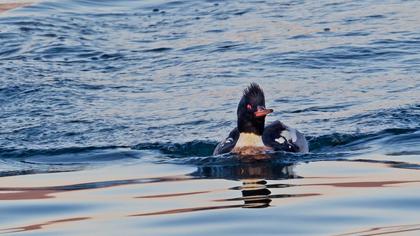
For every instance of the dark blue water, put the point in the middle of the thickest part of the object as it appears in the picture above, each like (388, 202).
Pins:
(124, 102)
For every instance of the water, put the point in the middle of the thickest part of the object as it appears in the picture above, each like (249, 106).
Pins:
(110, 111)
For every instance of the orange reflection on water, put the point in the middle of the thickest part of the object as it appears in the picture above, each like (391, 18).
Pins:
(118, 197)
(373, 184)
(26, 194)
(173, 194)
(16, 193)
(185, 210)
(9, 6)
(397, 229)
(40, 225)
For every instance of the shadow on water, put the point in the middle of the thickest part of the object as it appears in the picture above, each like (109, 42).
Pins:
(255, 191)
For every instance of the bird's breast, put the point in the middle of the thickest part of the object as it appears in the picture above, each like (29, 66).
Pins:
(250, 144)
(249, 140)
(251, 150)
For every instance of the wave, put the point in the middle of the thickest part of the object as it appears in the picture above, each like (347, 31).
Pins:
(193, 148)
(24, 153)
(330, 143)
(397, 149)
(334, 142)
(341, 141)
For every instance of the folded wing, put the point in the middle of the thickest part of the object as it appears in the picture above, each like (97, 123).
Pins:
(228, 143)
(280, 137)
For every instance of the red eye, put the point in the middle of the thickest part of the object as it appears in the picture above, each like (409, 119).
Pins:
(249, 107)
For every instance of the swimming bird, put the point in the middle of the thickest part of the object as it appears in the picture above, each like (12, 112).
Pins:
(252, 137)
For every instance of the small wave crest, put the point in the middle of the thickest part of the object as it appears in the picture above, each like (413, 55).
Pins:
(330, 143)
(335, 146)
(341, 141)
(193, 148)
(318, 144)
(25, 153)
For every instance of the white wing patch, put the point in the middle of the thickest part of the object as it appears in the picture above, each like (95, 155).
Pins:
(229, 140)
(289, 134)
(280, 140)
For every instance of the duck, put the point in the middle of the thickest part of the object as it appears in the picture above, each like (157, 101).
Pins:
(252, 137)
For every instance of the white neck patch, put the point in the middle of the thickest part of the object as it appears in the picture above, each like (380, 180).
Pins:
(249, 140)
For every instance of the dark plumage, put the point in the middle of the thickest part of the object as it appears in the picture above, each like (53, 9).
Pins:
(252, 98)
(254, 94)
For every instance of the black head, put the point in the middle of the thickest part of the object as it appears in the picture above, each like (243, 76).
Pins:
(251, 110)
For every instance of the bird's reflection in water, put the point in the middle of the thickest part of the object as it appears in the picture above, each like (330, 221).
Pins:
(254, 174)
(255, 194)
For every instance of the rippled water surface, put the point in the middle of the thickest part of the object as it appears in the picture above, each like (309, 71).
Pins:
(110, 110)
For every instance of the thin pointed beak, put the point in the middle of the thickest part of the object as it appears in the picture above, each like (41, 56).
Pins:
(262, 111)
